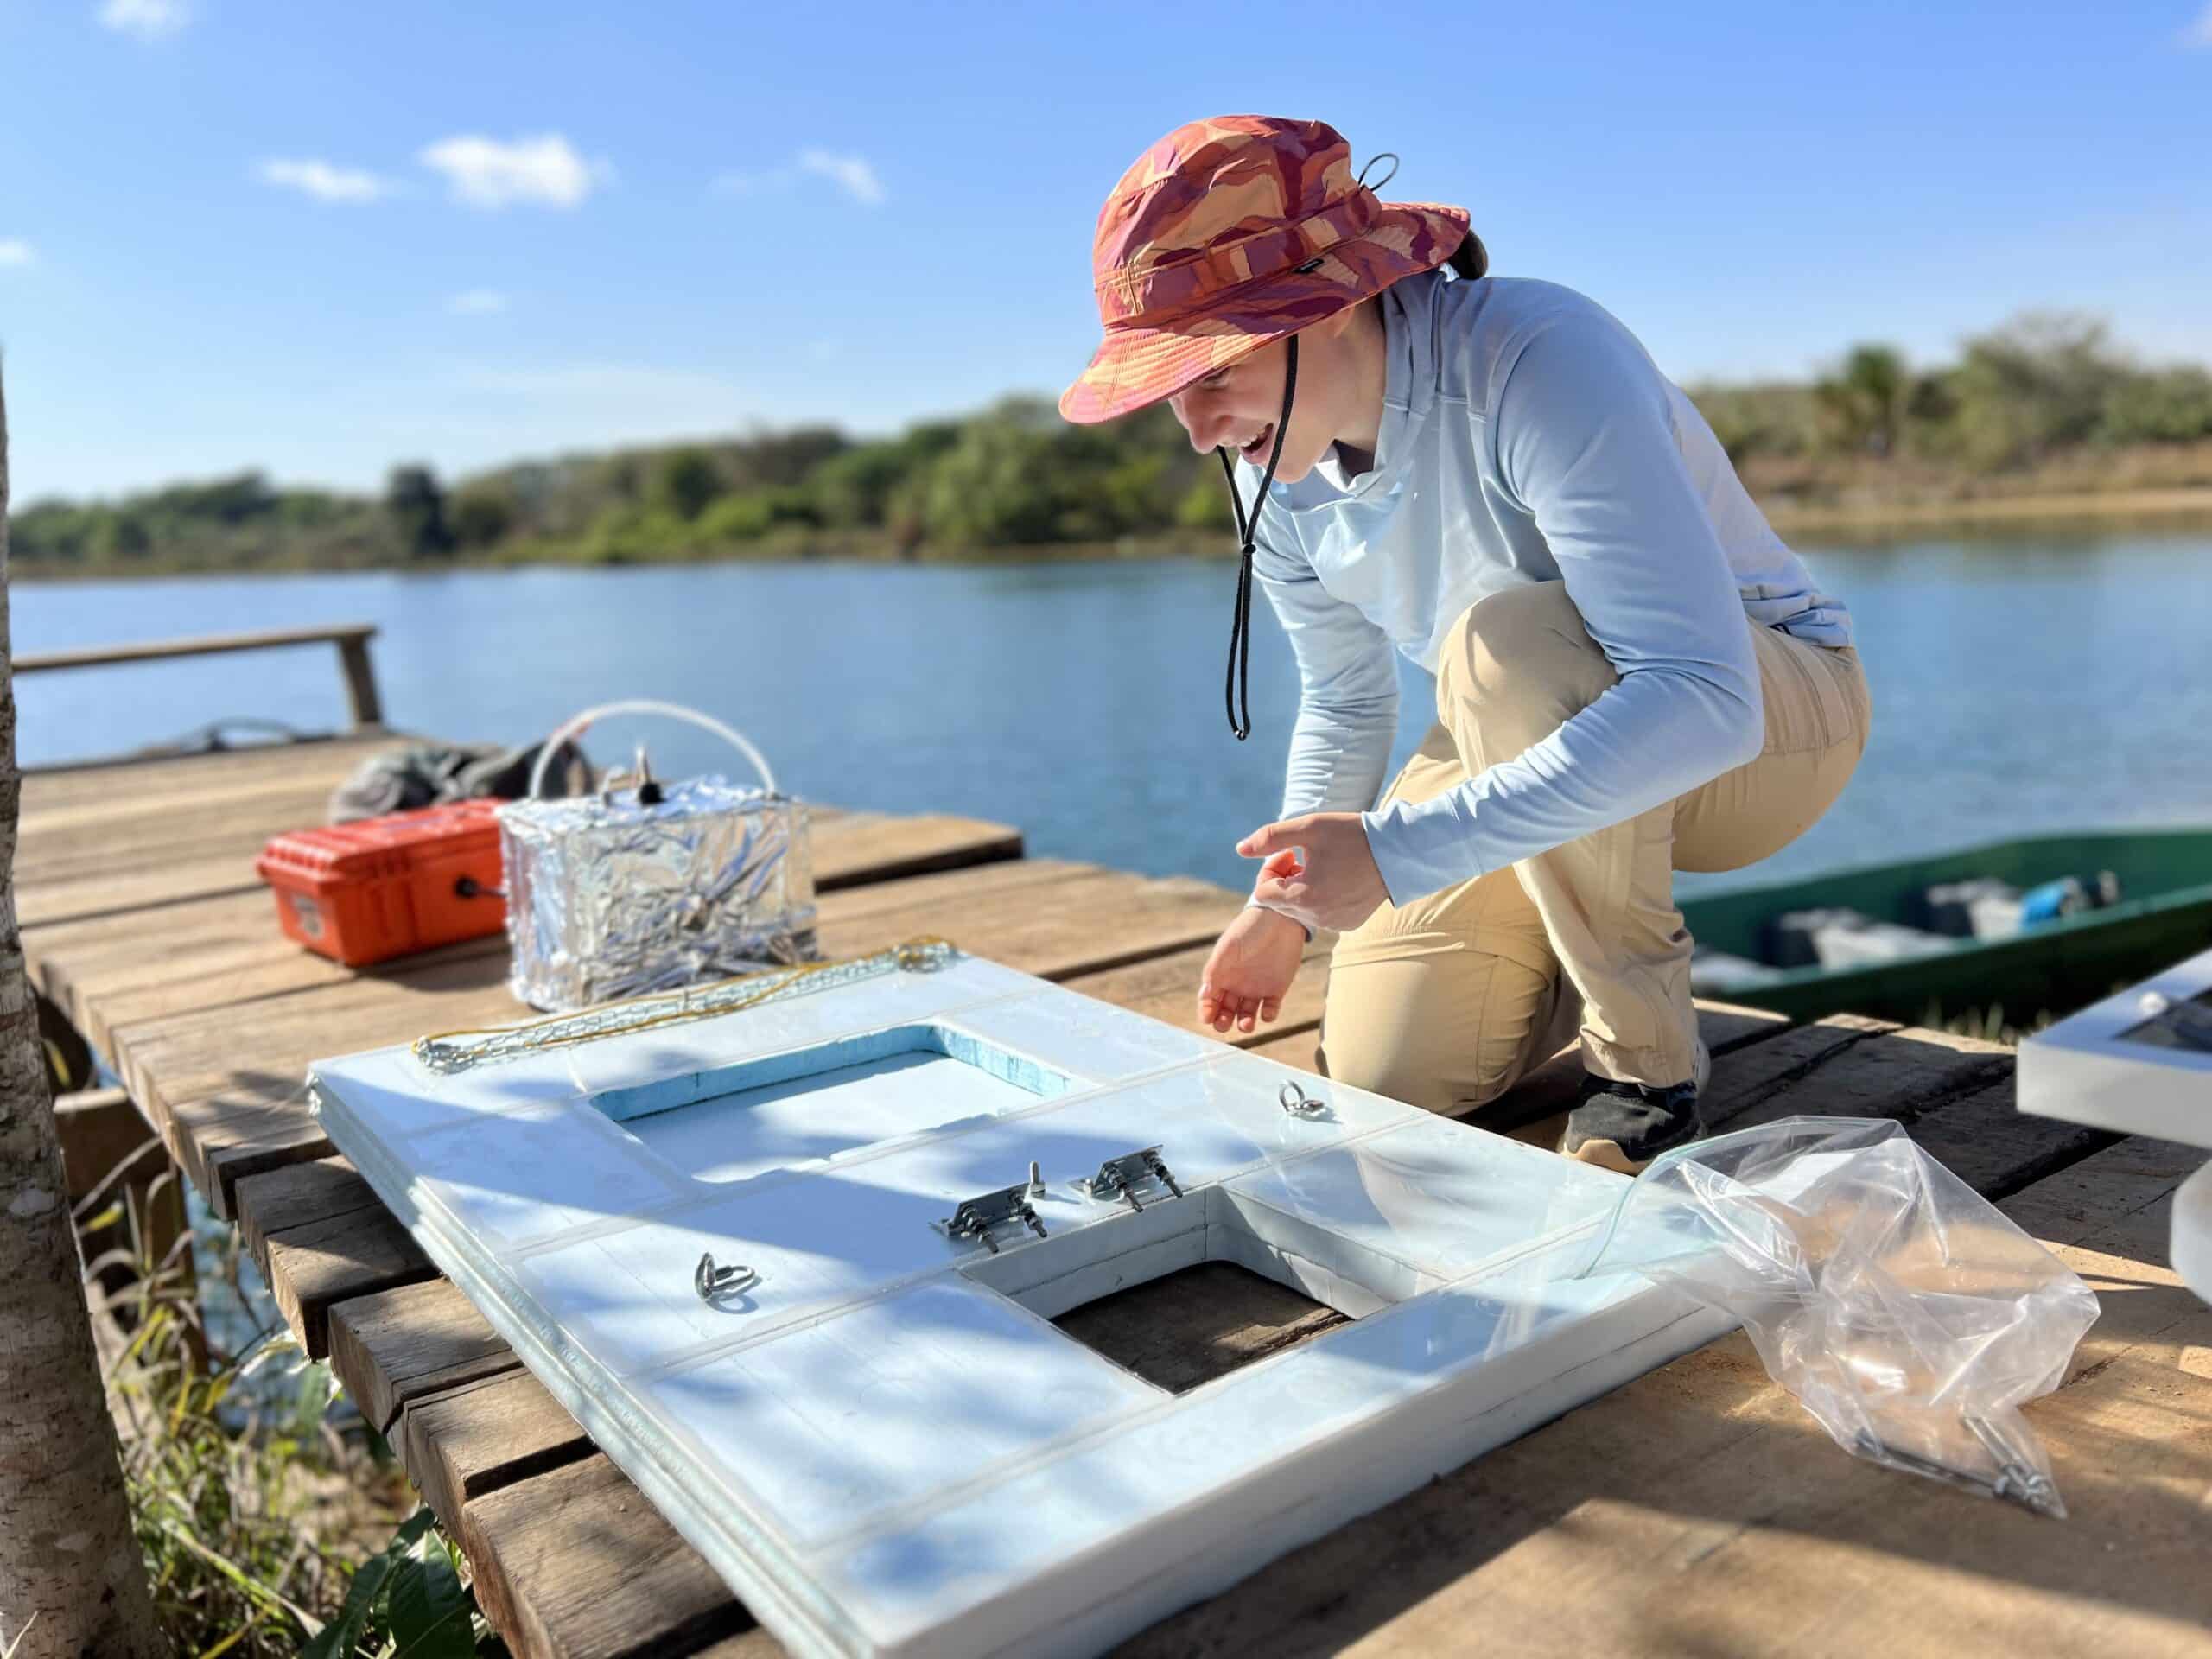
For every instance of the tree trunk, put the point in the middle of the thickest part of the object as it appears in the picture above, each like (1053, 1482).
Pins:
(72, 1580)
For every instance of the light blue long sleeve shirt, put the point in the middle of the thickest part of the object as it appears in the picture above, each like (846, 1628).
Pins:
(1526, 437)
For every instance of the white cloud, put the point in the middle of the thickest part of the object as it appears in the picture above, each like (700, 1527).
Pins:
(851, 173)
(477, 302)
(854, 174)
(145, 20)
(485, 173)
(324, 181)
(15, 252)
(2199, 33)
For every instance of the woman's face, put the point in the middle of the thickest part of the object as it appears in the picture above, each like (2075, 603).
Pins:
(1236, 408)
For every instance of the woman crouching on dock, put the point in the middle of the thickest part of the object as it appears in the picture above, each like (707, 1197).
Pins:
(1634, 674)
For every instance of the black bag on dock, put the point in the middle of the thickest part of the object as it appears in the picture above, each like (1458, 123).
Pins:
(430, 774)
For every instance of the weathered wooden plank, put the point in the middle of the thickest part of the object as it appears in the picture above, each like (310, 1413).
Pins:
(211, 937)
(344, 1256)
(130, 815)
(860, 848)
(267, 1205)
(1846, 1066)
(114, 837)
(1193, 1326)
(1984, 1140)
(49, 902)
(463, 1442)
(2118, 1201)
(221, 1147)
(48, 789)
(393, 1346)
(236, 1000)
(1697, 1510)
(152, 650)
(197, 1053)
(1741, 1082)
(576, 1564)
(1076, 919)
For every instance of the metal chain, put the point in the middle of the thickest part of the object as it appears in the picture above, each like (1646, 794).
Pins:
(452, 1051)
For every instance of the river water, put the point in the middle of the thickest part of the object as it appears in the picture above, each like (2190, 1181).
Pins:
(2022, 683)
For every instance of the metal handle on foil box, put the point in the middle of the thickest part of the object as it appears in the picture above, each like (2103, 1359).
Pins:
(644, 706)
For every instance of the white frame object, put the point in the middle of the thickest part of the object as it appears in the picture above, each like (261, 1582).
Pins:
(2087, 1069)
(871, 1429)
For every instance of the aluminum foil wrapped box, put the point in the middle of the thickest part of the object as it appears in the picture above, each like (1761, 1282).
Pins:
(609, 895)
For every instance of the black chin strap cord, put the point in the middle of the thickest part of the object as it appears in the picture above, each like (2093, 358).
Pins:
(1239, 687)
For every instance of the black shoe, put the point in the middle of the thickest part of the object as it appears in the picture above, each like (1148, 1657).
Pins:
(1624, 1126)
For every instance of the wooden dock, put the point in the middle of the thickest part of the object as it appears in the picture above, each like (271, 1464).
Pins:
(1695, 1511)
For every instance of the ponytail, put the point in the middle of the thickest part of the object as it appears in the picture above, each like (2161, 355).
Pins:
(1469, 259)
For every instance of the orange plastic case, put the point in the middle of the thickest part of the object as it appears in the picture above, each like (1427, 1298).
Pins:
(382, 887)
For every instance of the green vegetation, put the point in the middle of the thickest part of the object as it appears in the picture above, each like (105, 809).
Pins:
(2041, 384)
(267, 1517)
(2045, 404)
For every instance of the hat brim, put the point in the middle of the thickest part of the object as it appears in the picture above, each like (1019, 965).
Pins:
(1135, 367)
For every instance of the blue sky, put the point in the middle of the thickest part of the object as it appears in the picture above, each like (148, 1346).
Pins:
(323, 239)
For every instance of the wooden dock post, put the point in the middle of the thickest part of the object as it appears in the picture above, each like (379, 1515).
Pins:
(360, 679)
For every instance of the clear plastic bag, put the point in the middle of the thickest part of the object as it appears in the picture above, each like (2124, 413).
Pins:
(1906, 1313)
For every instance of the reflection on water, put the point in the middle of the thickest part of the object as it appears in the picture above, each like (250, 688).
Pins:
(2020, 683)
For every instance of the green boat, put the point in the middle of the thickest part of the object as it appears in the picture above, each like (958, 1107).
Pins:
(2164, 914)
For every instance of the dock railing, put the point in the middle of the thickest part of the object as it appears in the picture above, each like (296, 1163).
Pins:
(352, 639)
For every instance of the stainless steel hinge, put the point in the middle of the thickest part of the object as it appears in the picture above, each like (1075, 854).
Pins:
(1118, 1178)
(975, 1218)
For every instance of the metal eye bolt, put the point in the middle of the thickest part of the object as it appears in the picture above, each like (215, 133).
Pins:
(711, 1281)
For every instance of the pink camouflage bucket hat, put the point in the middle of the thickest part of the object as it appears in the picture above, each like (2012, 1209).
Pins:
(1232, 233)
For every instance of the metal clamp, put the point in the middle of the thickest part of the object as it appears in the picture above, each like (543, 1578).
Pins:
(2014, 1481)
(711, 1281)
(1298, 1103)
(976, 1216)
(1116, 1177)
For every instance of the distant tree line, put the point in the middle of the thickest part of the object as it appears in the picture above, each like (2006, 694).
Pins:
(1015, 476)
(2042, 384)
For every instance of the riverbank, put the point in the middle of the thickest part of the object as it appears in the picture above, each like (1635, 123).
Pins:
(270, 532)
(2180, 507)
(2136, 483)
(2183, 507)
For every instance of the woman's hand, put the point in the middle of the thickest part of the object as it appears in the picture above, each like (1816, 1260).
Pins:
(1337, 885)
(1250, 970)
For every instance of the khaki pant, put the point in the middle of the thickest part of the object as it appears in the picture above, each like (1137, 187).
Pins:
(1447, 1001)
